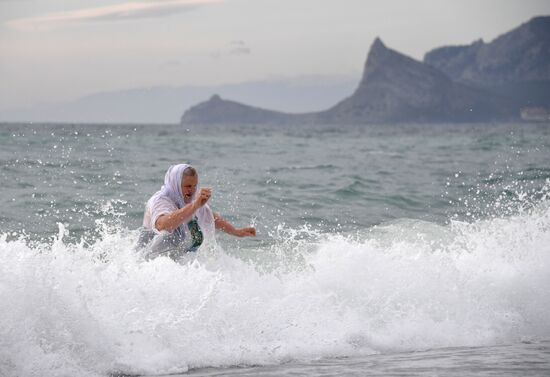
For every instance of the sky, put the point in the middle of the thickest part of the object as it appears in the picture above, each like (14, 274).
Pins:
(58, 50)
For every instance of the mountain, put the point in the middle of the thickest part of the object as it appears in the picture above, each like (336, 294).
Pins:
(219, 111)
(394, 88)
(497, 81)
(397, 88)
(515, 65)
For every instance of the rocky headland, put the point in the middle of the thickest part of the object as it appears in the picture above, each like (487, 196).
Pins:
(496, 81)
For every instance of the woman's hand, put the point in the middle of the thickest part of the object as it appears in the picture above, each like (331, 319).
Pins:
(228, 228)
(203, 196)
(245, 232)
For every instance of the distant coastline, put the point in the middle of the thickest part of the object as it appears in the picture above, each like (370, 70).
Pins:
(506, 80)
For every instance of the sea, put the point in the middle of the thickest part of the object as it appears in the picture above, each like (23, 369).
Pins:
(381, 250)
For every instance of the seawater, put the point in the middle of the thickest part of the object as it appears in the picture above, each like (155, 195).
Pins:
(416, 249)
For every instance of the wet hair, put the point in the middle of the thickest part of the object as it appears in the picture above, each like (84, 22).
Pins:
(189, 172)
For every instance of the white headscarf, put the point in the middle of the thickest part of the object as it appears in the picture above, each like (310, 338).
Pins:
(172, 184)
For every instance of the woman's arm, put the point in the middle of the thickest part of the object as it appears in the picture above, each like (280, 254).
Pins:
(170, 221)
(228, 228)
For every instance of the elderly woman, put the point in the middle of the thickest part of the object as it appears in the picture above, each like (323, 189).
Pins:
(177, 218)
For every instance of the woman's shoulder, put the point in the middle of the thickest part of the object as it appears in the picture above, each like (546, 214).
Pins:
(159, 200)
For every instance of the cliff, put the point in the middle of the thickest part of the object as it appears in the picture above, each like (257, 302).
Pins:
(397, 88)
(515, 65)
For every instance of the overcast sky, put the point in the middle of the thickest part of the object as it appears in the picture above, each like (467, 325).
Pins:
(53, 50)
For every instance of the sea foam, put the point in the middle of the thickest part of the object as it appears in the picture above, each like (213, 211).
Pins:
(93, 308)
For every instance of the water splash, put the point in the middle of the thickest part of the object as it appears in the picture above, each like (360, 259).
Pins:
(94, 308)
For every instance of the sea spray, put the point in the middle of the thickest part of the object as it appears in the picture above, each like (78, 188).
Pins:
(95, 308)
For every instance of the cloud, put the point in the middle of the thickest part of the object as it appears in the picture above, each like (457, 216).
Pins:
(124, 11)
(234, 48)
(239, 48)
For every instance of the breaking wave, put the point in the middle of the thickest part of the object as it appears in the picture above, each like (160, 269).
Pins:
(95, 308)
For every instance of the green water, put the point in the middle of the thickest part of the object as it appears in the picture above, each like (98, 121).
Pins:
(329, 177)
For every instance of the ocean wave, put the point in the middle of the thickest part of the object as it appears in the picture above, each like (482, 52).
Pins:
(94, 308)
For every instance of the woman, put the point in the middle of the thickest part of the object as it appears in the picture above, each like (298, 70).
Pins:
(177, 219)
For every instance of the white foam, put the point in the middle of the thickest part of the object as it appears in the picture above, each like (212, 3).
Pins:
(89, 310)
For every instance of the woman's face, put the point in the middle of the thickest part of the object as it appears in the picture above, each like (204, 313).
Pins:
(188, 187)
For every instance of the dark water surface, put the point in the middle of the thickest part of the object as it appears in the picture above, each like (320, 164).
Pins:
(505, 360)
